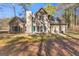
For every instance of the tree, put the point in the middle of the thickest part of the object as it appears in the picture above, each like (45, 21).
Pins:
(71, 15)
(25, 7)
(67, 15)
(50, 9)
(14, 9)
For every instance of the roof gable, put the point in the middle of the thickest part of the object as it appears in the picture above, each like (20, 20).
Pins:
(15, 19)
(41, 11)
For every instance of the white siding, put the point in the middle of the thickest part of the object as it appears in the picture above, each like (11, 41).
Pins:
(47, 23)
(55, 29)
(28, 22)
(63, 28)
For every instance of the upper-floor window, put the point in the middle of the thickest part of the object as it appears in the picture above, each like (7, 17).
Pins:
(41, 17)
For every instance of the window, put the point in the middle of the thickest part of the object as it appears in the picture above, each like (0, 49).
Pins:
(33, 20)
(33, 29)
(44, 28)
(42, 18)
(38, 29)
(41, 28)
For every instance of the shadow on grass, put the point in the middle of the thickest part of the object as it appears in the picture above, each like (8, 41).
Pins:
(45, 47)
(73, 40)
(68, 46)
(48, 47)
(39, 53)
(59, 44)
(14, 47)
(17, 47)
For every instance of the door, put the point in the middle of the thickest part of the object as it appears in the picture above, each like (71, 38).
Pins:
(16, 29)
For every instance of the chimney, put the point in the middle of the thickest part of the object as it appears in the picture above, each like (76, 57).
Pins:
(28, 22)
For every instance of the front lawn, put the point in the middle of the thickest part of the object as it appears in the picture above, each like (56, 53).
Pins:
(74, 34)
(34, 44)
(25, 38)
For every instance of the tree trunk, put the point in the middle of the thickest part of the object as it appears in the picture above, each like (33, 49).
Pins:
(75, 16)
(14, 10)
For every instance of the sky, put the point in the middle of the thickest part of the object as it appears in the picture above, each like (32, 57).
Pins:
(37, 6)
(7, 12)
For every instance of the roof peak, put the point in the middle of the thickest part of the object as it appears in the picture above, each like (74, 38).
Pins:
(40, 10)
